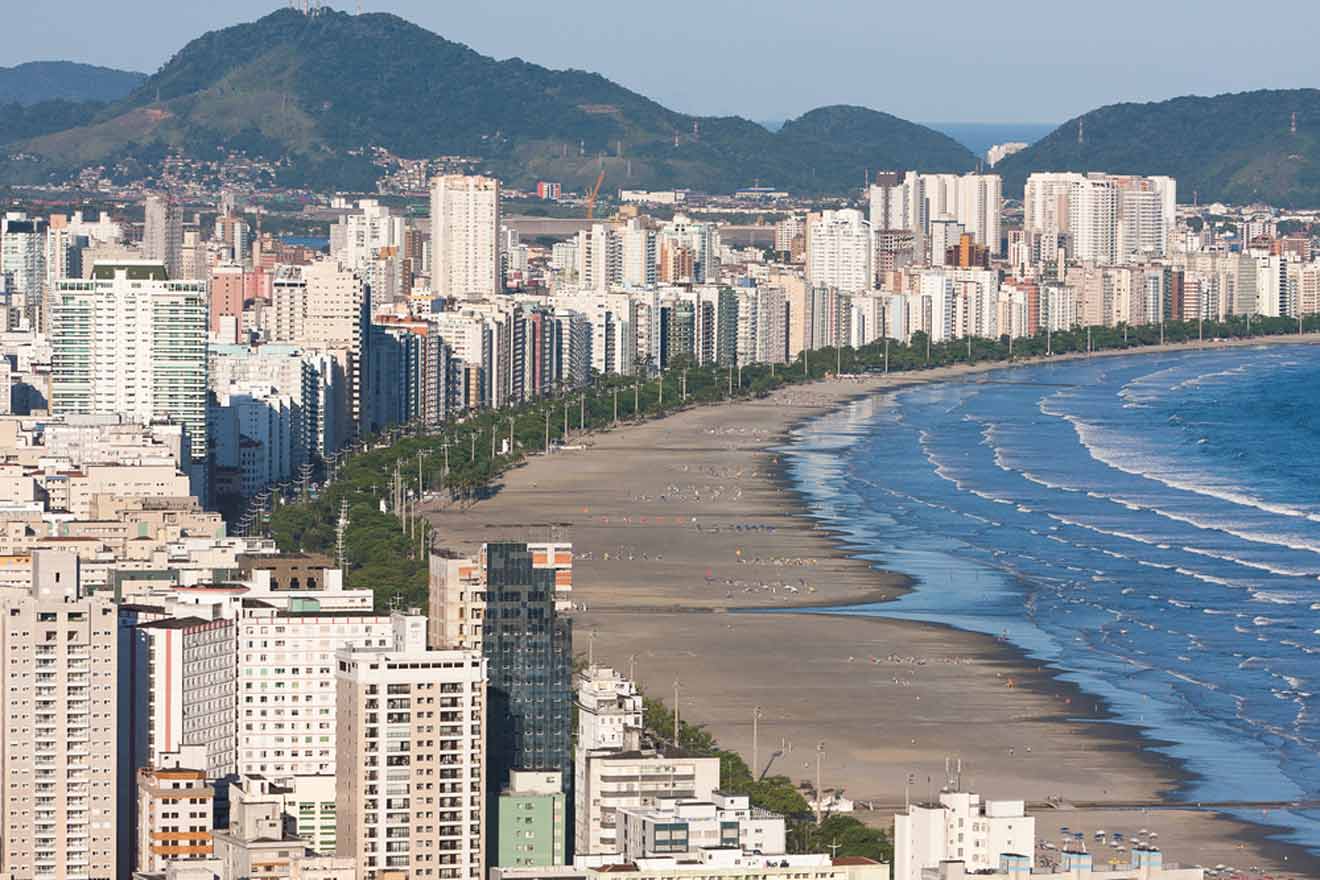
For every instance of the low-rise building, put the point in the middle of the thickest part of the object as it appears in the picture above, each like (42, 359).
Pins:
(175, 810)
(532, 820)
(1144, 864)
(960, 827)
(723, 864)
(680, 827)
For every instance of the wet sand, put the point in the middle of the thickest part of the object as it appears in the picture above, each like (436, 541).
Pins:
(682, 525)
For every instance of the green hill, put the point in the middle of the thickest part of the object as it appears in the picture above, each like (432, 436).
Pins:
(313, 91)
(38, 81)
(1236, 148)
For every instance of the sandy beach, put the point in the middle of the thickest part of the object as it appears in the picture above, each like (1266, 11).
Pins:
(681, 524)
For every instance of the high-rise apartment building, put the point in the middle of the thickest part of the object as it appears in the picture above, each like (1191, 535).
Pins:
(839, 250)
(360, 235)
(1106, 218)
(510, 603)
(465, 224)
(23, 267)
(57, 734)
(688, 250)
(162, 233)
(916, 200)
(181, 692)
(286, 685)
(411, 758)
(133, 342)
(790, 235)
(609, 707)
(762, 325)
(324, 306)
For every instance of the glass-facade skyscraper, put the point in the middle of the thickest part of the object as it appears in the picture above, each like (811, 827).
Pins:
(529, 652)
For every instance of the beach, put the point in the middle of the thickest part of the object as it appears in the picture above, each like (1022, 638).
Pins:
(682, 526)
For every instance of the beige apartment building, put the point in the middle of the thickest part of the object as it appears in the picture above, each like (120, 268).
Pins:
(57, 736)
(175, 810)
(411, 758)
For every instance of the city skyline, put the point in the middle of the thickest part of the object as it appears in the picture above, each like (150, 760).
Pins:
(416, 465)
(837, 54)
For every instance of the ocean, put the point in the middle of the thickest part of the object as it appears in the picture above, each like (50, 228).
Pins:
(1148, 524)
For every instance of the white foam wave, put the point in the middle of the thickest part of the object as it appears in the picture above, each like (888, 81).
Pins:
(1246, 563)
(1093, 438)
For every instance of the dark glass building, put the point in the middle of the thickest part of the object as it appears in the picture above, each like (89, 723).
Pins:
(529, 652)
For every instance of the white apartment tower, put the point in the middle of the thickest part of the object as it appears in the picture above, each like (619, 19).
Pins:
(960, 827)
(357, 238)
(133, 342)
(411, 757)
(979, 199)
(465, 224)
(184, 678)
(611, 769)
(23, 268)
(839, 250)
(324, 306)
(609, 705)
(162, 233)
(1108, 219)
(286, 685)
(599, 258)
(57, 794)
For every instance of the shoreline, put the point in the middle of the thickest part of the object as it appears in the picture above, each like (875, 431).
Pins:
(642, 602)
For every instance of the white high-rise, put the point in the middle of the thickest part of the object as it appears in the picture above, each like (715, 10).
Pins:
(839, 250)
(465, 225)
(890, 202)
(972, 200)
(324, 306)
(599, 258)
(358, 237)
(1107, 219)
(23, 267)
(132, 342)
(286, 686)
(979, 199)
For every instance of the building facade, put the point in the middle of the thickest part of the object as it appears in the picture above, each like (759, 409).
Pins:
(411, 757)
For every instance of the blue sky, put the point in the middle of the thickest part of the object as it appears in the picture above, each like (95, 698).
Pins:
(1025, 60)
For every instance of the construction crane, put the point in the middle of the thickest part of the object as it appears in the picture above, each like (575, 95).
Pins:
(593, 194)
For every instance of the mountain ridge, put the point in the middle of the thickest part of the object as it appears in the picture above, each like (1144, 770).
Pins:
(35, 82)
(266, 87)
(1237, 147)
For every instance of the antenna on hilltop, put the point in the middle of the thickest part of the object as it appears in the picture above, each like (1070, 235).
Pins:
(1081, 131)
(1293, 126)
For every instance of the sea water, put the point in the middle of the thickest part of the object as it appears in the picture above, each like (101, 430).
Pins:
(1148, 524)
